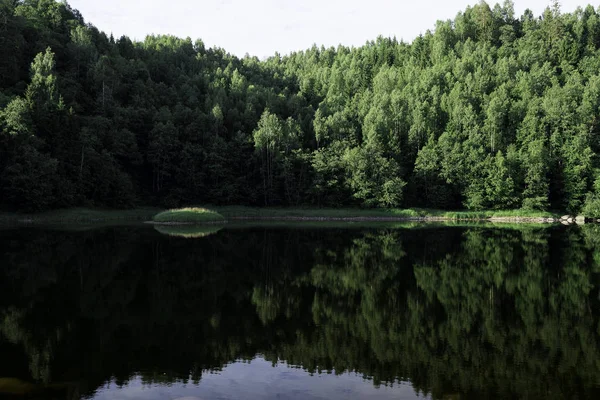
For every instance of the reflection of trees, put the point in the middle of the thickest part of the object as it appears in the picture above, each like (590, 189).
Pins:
(513, 312)
(481, 312)
(39, 354)
(508, 314)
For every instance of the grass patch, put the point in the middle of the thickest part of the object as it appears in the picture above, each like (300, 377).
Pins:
(187, 231)
(192, 215)
(79, 216)
(495, 214)
(233, 212)
(272, 212)
(391, 225)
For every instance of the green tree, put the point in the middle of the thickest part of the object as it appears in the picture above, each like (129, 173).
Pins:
(591, 207)
(42, 92)
(162, 150)
(16, 119)
(29, 180)
(373, 178)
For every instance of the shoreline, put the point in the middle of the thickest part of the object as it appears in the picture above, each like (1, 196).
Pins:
(83, 216)
(396, 219)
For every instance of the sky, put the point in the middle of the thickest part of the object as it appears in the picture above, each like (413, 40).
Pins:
(263, 27)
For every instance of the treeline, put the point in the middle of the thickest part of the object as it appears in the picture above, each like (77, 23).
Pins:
(488, 111)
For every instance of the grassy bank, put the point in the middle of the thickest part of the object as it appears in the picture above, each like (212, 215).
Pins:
(190, 215)
(80, 216)
(98, 216)
(231, 212)
(383, 224)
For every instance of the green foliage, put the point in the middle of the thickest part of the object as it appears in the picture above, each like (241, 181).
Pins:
(188, 216)
(80, 218)
(274, 141)
(30, 179)
(537, 187)
(428, 183)
(495, 188)
(488, 111)
(41, 93)
(15, 117)
(591, 207)
(374, 214)
(373, 178)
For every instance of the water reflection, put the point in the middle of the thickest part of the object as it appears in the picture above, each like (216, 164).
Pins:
(460, 312)
(258, 380)
(188, 231)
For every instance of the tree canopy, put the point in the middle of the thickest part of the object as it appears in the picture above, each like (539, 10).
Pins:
(489, 110)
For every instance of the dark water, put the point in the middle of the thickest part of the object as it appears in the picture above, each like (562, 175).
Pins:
(277, 312)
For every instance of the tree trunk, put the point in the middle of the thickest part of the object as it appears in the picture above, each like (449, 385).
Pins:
(81, 164)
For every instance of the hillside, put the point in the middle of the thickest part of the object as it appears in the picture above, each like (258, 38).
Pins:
(488, 111)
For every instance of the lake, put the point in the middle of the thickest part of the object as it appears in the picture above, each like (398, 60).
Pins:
(300, 311)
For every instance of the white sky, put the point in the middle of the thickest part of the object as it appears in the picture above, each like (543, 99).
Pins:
(262, 27)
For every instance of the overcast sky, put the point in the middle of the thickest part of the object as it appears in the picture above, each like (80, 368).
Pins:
(262, 27)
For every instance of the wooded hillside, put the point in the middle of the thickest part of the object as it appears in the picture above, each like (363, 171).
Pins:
(488, 111)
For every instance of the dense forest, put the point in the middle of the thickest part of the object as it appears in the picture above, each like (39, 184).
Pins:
(488, 111)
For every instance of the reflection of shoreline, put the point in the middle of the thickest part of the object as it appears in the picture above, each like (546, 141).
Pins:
(516, 220)
(187, 231)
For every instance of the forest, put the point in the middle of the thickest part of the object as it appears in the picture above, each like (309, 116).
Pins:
(490, 110)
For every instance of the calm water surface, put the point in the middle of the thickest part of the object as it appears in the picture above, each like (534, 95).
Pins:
(300, 312)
